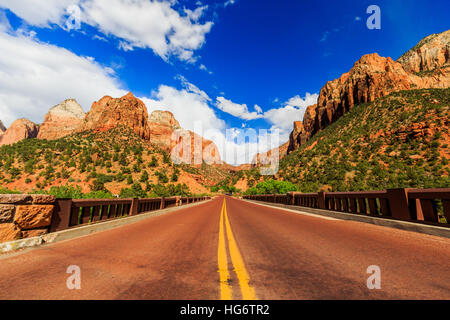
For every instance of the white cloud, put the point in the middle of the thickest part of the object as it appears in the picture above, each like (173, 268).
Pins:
(293, 110)
(191, 107)
(237, 110)
(300, 102)
(204, 68)
(39, 13)
(229, 2)
(137, 23)
(188, 105)
(280, 118)
(35, 76)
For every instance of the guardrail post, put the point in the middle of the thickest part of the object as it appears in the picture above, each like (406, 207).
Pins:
(61, 215)
(291, 198)
(398, 204)
(321, 200)
(163, 203)
(134, 207)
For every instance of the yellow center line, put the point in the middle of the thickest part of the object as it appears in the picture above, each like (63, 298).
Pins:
(248, 292)
(225, 288)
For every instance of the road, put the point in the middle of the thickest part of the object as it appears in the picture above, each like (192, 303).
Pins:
(233, 249)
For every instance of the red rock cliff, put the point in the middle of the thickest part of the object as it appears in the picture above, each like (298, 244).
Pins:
(108, 113)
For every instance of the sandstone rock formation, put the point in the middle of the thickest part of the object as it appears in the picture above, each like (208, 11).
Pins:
(2, 129)
(108, 113)
(429, 54)
(19, 130)
(424, 66)
(268, 158)
(370, 78)
(162, 125)
(62, 120)
(166, 133)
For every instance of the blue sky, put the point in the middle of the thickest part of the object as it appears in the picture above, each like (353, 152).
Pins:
(203, 60)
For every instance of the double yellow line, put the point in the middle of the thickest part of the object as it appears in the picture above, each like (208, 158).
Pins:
(248, 293)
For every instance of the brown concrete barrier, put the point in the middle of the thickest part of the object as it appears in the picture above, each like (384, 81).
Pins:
(24, 216)
(430, 206)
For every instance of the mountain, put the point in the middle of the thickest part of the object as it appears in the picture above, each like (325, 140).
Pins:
(424, 66)
(113, 160)
(2, 127)
(108, 113)
(430, 54)
(266, 158)
(62, 120)
(164, 131)
(19, 130)
(69, 118)
(116, 146)
(162, 126)
(400, 140)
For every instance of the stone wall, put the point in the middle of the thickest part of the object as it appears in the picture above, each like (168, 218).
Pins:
(24, 216)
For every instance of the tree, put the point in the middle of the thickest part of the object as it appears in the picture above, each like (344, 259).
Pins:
(144, 177)
(130, 179)
(175, 175)
(154, 162)
(135, 191)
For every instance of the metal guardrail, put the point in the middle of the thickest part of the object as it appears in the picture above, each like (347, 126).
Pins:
(71, 213)
(415, 205)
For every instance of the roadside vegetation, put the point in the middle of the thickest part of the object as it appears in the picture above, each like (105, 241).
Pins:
(116, 163)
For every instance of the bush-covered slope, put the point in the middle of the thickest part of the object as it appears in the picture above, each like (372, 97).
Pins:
(401, 140)
(117, 160)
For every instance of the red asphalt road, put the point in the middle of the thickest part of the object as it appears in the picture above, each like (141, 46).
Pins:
(287, 256)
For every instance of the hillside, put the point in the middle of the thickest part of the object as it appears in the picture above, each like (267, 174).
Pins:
(110, 160)
(371, 77)
(401, 140)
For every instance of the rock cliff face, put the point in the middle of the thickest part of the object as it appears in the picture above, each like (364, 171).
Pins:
(370, 78)
(166, 132)
(19, 130)
(424, 66)
(108, 113)
(62, 120)
(2, 127)
(162, 125)
(431, 53)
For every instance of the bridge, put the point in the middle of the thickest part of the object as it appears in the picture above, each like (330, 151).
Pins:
(293, 246)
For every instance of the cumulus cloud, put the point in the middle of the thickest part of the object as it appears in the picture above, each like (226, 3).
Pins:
(280, 118)
(35, 76)
(192, 108)
(39, 13)
(238, 110)
(189, 105)
(293, 110)
(137, 23)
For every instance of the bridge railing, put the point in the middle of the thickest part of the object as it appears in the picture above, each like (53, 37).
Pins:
(69, 213)
(416, 205)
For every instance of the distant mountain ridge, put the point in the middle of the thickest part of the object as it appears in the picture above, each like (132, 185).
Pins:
(69, 118)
